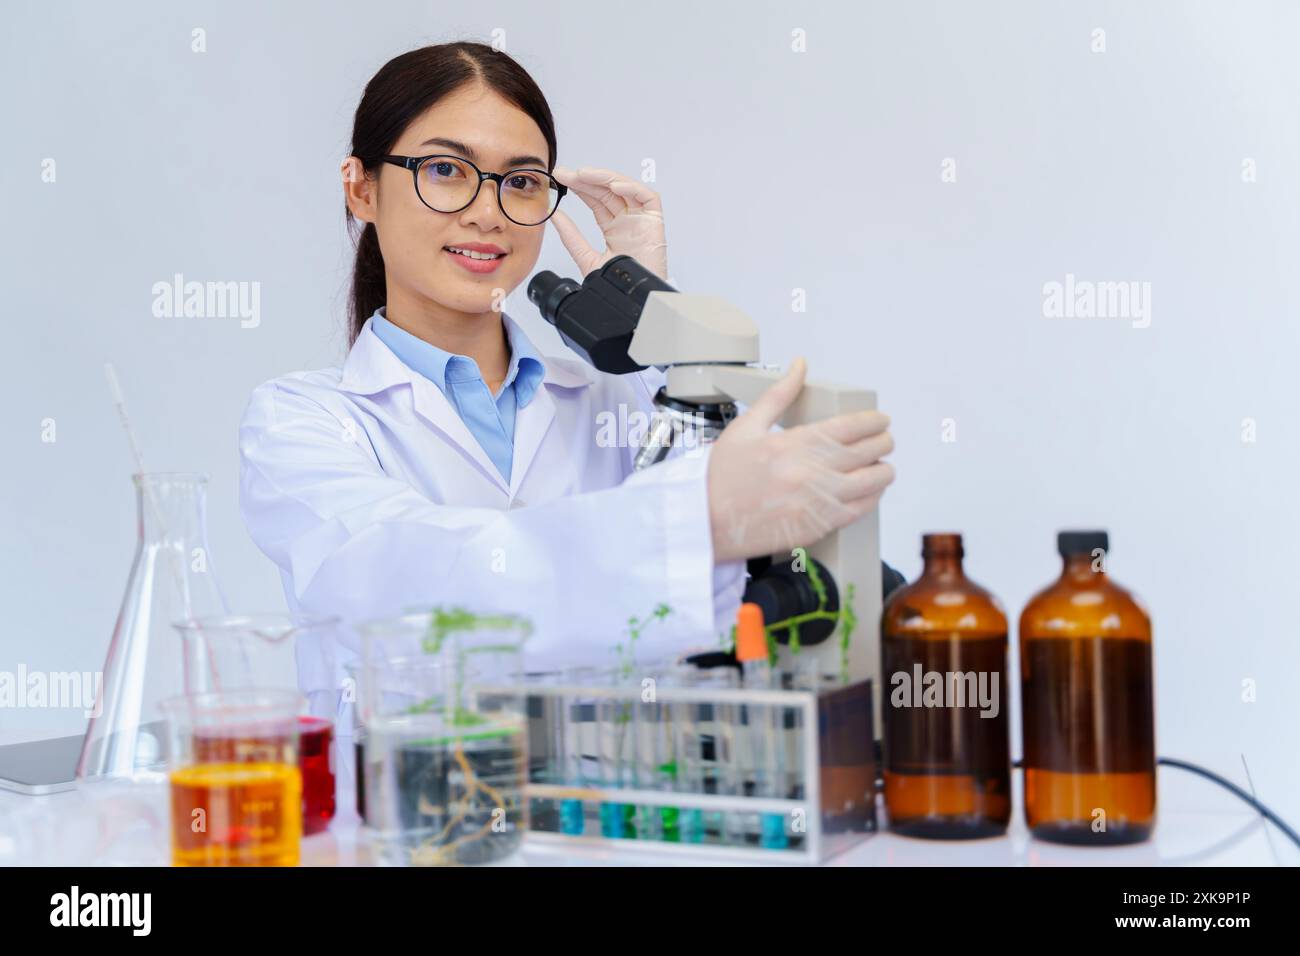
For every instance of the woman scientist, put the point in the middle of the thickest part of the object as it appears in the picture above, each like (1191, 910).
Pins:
(448, 462)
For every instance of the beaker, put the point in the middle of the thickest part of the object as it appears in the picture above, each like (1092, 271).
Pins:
(241, 652)
(445, 755)
(171, 579)
(259, 652)
(236, 791)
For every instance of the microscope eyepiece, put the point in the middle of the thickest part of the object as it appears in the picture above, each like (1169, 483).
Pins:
(547, 291)
(597, 317)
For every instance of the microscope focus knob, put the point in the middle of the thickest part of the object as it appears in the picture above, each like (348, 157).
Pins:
(783, 592)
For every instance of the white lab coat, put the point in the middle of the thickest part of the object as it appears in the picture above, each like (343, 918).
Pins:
(366, 488)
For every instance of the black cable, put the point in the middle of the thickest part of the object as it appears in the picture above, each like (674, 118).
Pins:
(1228, 785)
(1231, 787)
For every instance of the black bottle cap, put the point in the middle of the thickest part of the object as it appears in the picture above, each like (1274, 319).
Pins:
(1081, 542)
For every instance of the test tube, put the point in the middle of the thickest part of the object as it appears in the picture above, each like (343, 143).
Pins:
(613, 720)
(642, 773)
(657, 766)
(791, 783)
(667, 763)
(605, 748)
(687, 768)
(763, 733)
(803, 676)
(582, 749)
(717, 723)
(571, 820)
(767, 738)
(545, 747)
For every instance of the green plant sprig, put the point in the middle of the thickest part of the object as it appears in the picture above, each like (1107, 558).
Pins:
(443, 622)
(626, 653)
(845, 619)
(456, 620)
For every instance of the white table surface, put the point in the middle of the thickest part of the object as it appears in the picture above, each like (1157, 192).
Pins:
(1198, 824)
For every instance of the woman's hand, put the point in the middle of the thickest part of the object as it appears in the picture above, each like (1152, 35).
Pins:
(770, 491)
(628, 212)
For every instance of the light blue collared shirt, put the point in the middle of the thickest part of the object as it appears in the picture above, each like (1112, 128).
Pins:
(490, 420)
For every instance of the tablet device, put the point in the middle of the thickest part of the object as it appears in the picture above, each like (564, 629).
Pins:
(40, 766)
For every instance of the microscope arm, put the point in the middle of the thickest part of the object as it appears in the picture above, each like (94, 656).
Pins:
(744, 383)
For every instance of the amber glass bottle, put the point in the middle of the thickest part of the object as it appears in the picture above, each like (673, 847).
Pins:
(944, 674)
(1088, 704)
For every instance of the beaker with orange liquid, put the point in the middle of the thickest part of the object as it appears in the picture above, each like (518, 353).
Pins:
(236, 790)
(249, 652)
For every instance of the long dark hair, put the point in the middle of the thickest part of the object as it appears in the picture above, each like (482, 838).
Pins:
(404, 88)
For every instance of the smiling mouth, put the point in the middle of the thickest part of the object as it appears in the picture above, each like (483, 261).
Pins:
(479, 256)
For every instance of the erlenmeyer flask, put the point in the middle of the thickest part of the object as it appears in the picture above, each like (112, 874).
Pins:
(171, 580)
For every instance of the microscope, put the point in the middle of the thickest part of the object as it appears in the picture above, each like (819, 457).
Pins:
(623, 318)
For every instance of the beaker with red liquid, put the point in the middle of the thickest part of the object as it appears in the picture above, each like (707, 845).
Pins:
(316, 761)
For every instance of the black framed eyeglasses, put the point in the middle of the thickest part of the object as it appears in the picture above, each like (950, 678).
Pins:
(445, 183)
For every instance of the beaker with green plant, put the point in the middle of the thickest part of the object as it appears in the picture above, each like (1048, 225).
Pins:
(446, 759)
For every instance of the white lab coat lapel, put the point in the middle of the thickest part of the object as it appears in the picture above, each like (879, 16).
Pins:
(531, 424)
(436, 409)
(534, 420)
(371, 367)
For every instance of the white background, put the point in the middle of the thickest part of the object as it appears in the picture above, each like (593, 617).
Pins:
(779, 171)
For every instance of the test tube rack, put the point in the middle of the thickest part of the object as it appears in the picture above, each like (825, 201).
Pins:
(592, 752)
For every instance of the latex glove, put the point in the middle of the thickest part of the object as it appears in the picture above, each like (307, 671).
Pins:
(771, 491)
(628, 212)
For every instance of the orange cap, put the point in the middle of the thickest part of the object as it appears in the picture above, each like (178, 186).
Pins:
(751, 640)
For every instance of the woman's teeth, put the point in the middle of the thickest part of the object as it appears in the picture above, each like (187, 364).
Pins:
(475, 255)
